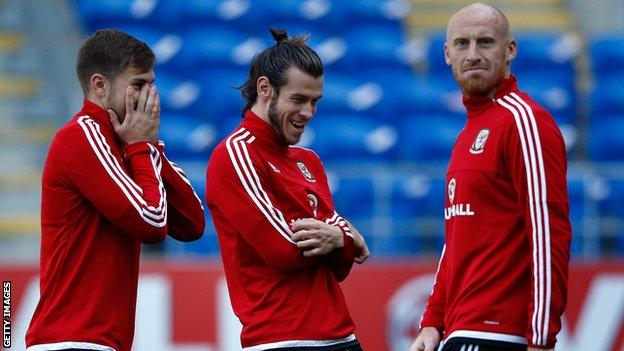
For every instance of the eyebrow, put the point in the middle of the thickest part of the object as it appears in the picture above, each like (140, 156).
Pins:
(478, 37)
(303, 96)
(140, 81)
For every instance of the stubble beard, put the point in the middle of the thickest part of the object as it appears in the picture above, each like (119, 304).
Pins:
(477, 86)
(110, 102)
(273, 115)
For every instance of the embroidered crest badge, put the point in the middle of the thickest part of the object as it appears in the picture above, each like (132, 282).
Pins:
(479, 142)
(305, 171)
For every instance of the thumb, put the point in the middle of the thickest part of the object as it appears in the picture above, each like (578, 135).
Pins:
(114, 119)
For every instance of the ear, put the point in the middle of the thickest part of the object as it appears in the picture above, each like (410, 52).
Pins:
(99, 85)
(264, 88)
(512, 49)
(447, 58)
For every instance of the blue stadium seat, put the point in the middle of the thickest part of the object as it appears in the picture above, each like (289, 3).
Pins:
(416, 207)
(577, 198)
(435, 55)
(605, 141)
(388, 12)
(417, 196)
(332, 49)
(611, 203)
(411, 94)
(376, 46)
(352, 137)
(210, 93)
(427, 137)
(578, 240)
(556, 94)
(220, 46)
(101, 14)
(179, 94)
(546, 51)
(234, 13)
(350, 94)
(187, 137)
(607, 54)
(312, 15)
(353, 197)
(611, 199)
(224, 100)
(608, 96)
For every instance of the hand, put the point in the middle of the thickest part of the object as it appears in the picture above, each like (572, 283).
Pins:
(427, 340)
(140, 123)
(316, 238)
(361, 250)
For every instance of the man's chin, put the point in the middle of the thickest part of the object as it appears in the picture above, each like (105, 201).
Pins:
(292, 140)
(474, 88)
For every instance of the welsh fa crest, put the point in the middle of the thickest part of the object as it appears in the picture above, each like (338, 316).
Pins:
(479, 142)
(305, 171)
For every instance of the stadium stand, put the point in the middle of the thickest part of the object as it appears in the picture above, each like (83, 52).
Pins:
(353, 137)
(390, 111)
(396, 112)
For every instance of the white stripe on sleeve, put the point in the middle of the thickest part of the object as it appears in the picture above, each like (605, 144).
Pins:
(536, 186)
(155, 216)
(236, 145)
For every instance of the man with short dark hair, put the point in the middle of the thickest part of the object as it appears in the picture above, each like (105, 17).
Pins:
(107, 188)
(283, 245)
(501, 283)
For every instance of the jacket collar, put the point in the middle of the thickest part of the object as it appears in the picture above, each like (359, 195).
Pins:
(264, 132)
(476, 103)
(97, 113)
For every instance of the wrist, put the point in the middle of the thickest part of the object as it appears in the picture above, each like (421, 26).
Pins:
(340, 235)
(136, 148)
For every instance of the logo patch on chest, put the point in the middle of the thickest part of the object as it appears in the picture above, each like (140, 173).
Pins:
(479, 142)
(305, 171)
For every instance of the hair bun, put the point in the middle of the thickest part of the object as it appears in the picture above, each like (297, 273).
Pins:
(279, 34)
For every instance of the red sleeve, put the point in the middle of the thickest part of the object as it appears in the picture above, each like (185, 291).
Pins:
(185, 211)
(236, 189)
(536, 157)
(133, 199)
(433, 316)
(341, 260)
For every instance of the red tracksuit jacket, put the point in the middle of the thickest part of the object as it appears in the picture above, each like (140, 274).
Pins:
(99, 203)
(504, 270)
(255, 186)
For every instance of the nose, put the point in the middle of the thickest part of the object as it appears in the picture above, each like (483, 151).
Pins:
(307, 111)
(473, 53)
